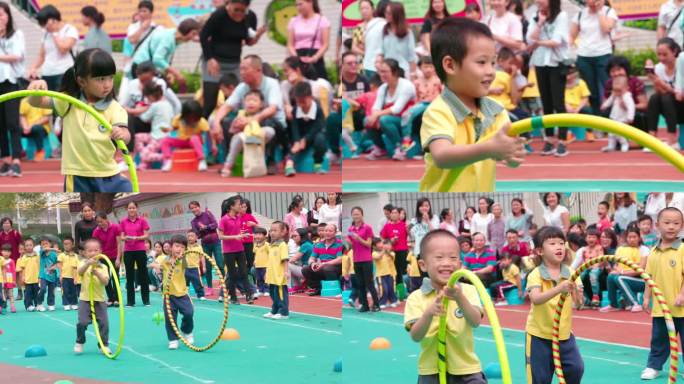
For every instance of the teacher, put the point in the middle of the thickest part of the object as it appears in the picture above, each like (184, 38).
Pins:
(133, 231)
(204, 225)
(107, 234)
(361, 239)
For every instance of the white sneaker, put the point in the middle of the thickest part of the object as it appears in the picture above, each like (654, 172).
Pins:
(257, 294)
(267, 294)
(123, 167)
(106, 351)
(202, 298)
(202, 166)
(383, 306)
(333, 158)
(268, 315)
(190, 338)
(637, 308)
(624, 147)
(31, 308)
(173, 344)
(67, 307)
(74, 307)
(51, 308)
(78, 348)
(500, 303)
(395, 304)
(278, 316)
(166, 167)
(40, 308)
(646, 149)
(649, 374)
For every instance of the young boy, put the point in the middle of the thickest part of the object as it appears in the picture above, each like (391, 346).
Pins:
(307, 128)
(648, 236)
(261, 250)
(577, 97)
(466, 244)
(68, 264)
(28, 268)
(439, 258)
(413, 271)
(277, 273)
(461, 150)
(92, 271)
(383, 258)
(178, 292)
(194, 262)
(505, 89)
(604, 221)
(665, 264)
(48, 274)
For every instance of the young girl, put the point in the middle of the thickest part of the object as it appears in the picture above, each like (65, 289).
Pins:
(92, 271)
(9, 281)
(190, 124)
(68, 264)
(591, 251)
(88, 154)
(276, 273)
(545, 284)
(624, 279)
(384, 261)
(159, 113)
(152, 253)
(622, 109)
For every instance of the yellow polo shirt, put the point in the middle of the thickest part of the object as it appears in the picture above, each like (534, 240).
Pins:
(632, 254)
(383, 264)
(261, 255)
(447, 118)
(87, 277)
(575, 93)
(511, 273)
(348, 263)
(276, 270)
(540, 318)
(33, 114)
(193, 259)
(185, 132)
(503, 80)
(414, 270)
(69, 262)
(665, 268)
(87, 147)
(177, 286)
(533, 91)
(30, 266)
(460, 345)
(77, 277)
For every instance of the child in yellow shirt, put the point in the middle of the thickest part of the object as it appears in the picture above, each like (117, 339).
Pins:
(254, 101)
(195, 263)
(383, 257)
(177, 289)
(349, 275)
(68, 264)
(439, 258)
(92, 271)
(413, 271)
(277, 273)
(261, 250)
(29, 267)
(464, 133)
(189, 126)
(35, 125)
(511, 279)
(545, 284)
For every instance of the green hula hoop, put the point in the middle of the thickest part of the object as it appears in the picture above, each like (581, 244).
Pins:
(88, 109)
(493, 320)
(91, 288)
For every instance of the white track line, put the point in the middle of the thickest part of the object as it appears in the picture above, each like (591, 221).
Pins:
(148, 357)
(583, 317)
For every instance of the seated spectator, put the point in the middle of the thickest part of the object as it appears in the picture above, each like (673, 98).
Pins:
(35, 125)
(190, 124)
(621, 105)
(576, 93)
(619, 66)
(227, 84)
(624, 279)
(511, 279)
(428, 87)
(326, 261)
(308, 128)
(159, 114)
(514, 247)
(481, 260)
(133, 97)
(504, 88)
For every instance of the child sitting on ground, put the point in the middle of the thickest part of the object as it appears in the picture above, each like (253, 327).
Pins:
(440, 257)
(190, 125)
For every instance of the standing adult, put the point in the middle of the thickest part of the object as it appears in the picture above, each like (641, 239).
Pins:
(326, 261)
(360, 235)
(358, 34)
(519, 220)
(496, 229)
(309, 35)
(593, 26)
(222, 37)
(133, 231)
(465, 224)
(437, 11)
(96, 36)
(483, 217)
(230, 231)
(372, 40)
(9, 235)
(625, 211)
(313, 217)
(670, 21)
(398, 42)
(55, 56)
(506, 27)
(423, 222)
(331, 211)
(83, 229)
(12, 51)
(107, 234)
(619, 66)
(204, 225)
(548, 41)
(555, 214)
(138, 31)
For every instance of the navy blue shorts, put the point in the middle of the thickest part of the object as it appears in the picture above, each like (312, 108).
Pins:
(116, 183)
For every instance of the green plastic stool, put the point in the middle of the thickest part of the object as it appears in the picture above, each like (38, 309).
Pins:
(401, 291)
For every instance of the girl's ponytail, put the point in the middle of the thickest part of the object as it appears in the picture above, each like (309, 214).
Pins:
(69, 84)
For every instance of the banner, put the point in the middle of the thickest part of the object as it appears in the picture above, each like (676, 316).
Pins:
(415, 10)
(636, 9)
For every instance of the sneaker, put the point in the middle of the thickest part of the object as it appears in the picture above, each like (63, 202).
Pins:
(649, 374)
(375, 308)
(201, 298)
(383, 306)
(51, 308)
(376, 153)
(202, 166)
(278, 316)
(258, 294)
(166, 167)
(289, 170)
(190, 338)
(78, 348)
(67, 307)
(268, 315)
(31, 308)
(406, 143)
(676, 146)
(646, 149)
(40, 308)
(595, 301)
(333, 158)
(395, 304)
(173, 344)
(5, 170)
(75, 307)
(16, 170)
(13, 309)
(501, 303)
(399, 155)
(106, 350)
(250, 299)
(351, 303)
(637, 308)
(234, 302)
(624, 145)
(364, 309)
(266, 294)
(608, 308)
(561, 151)
(318, 169)
(548, 149)
(610, 147)
(39, 155)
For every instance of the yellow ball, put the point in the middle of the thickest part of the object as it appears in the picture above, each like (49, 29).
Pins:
(230, 334)
(380, 343)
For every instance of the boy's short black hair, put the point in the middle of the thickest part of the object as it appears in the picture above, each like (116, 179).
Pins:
(644, 218)
(505, 53)
(547, 232)
(670, 209)
(260, 231)
(605, 204)
(388, 207)
(229, 80)
(29, 239)
(151, 88)
(92, 240)
(6, 247)
(179, 239)
(256, 93)
(511, 230)
(377, 240)
(48, 239)
(375, 80)
(281, 224)
(450, 38)
(576, 238)
(67, 238)
(465, 239)
(432, 235)
(302, 89)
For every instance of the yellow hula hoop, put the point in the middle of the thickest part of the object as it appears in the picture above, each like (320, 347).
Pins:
(669, 323)
(167, 304)
(91, 289)
(493, 320)
(91, 111)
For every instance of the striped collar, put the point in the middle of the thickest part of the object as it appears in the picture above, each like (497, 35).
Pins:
(675, 245)
(488, 110)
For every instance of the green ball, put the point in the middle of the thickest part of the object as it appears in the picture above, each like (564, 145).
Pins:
(158, 317)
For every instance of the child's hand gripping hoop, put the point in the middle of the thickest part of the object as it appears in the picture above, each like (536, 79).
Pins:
(669, 323)
(91, 111)
(594, 122)
(91, 288)
(493, 321)
(167, 304)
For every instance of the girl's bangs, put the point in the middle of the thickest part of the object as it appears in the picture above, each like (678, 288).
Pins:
(102, 64)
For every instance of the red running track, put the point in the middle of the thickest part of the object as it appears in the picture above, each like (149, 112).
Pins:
(312, 305)
(45, 177)
(585, 161)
